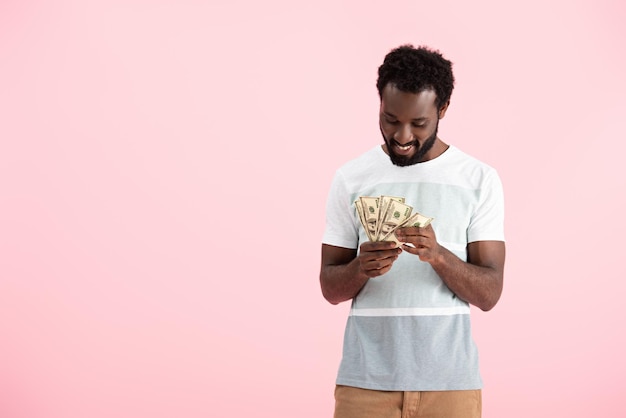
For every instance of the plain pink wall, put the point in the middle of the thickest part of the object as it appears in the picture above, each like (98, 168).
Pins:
(163, 173)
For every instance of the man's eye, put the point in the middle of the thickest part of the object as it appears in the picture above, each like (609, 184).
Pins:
(391, 122)
(419, 125)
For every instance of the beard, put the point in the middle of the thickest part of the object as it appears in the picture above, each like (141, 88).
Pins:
(403, 161)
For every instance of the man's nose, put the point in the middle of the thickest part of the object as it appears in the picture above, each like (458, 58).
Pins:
(403, 135)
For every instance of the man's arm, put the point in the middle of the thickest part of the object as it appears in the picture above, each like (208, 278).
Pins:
(343, 273)
(477, 281)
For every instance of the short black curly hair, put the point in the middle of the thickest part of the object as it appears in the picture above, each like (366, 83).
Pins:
(414, 70)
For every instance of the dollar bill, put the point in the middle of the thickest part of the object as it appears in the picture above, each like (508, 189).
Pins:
(384, 205)
(395, 215)
(416, 219)
(371, 210)
(382, 215)
(362, 218)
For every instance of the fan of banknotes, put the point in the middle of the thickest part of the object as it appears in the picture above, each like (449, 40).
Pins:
(382, 215)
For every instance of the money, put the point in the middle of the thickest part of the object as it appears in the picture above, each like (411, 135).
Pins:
(395, 215)
(382, 215)
(371, 210)
(385, 201)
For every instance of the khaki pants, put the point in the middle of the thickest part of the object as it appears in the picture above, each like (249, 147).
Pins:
(353, 402)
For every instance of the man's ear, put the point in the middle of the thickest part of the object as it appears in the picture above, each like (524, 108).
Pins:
(442, 111)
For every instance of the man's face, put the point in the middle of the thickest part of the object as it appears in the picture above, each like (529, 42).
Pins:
(408, 123)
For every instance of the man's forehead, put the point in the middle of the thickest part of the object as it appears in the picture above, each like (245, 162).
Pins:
(426, 95)
(394, 100)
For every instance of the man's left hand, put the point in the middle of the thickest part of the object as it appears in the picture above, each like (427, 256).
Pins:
(423, 240)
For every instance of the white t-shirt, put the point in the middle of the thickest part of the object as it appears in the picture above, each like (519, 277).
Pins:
(406, 330)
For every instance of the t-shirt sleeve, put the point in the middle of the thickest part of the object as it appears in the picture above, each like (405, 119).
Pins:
(487, 222)
(341, 228)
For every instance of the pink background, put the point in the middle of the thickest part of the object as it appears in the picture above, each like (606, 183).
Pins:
(163, 174)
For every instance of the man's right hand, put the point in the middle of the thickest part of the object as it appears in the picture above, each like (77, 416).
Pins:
(343, 273)
(376, 258)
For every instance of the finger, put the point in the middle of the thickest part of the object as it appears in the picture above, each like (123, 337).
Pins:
(409, 248)
(411, 233)
(422, 253)
(421, 232)
(378, 245)
(381, 254)
(409, 230)
(389, 253)
(378, 267)
(379, 272)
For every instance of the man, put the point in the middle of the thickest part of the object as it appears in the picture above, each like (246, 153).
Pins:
(408, 349)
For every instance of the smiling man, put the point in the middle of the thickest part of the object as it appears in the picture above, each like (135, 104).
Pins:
(408, 349)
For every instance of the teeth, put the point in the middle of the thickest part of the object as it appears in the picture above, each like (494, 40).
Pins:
(404, 148)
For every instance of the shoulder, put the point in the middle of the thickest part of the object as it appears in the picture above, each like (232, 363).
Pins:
(367, 160)
(364, 169)
(457, 156)
(469, 167)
